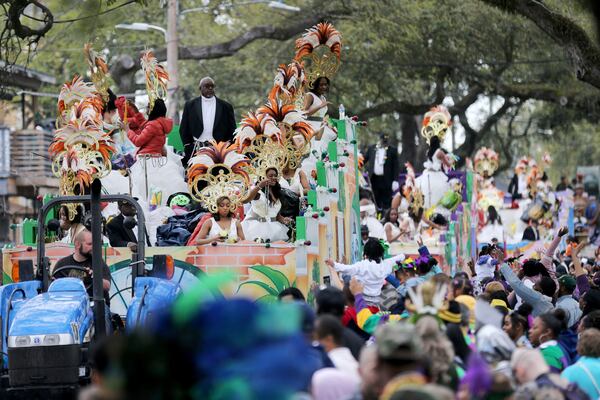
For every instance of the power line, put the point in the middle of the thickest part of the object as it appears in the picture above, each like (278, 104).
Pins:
(64, 21)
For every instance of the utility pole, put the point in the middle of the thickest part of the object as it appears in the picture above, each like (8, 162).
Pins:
(172, 59)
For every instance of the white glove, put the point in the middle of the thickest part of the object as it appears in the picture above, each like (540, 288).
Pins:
(395, 186)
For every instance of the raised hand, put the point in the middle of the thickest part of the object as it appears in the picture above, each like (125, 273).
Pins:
(355, 286)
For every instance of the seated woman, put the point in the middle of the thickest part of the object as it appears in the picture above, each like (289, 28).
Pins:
(264, 222)
(70, 228)
(222, 227)
(155, 171)
(394, 230)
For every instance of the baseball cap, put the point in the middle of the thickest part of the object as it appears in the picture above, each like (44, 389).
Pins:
(568, 282)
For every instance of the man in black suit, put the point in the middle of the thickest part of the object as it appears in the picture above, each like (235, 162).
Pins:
(206, 118)
(531, 233)
(382, 166)
(118, 234)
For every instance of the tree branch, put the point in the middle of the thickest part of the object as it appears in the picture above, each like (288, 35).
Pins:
(473, 137)
(229, 48)
(584, 53)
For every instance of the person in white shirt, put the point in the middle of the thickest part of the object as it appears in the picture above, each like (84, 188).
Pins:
(329, 333)
(206, 118)
(371, 271)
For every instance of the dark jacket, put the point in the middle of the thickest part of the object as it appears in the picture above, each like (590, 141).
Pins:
(530, 233)
(118, 234)
(192, 124)
(390, 166)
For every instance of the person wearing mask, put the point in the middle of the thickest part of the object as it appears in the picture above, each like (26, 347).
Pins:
(206, 118)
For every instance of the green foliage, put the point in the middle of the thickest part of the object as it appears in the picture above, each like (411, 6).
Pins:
(278, 282)
(406, 52)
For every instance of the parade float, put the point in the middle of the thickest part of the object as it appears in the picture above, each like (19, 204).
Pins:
(329, 227)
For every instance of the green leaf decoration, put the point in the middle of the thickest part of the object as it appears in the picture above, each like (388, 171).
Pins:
(277, 277)
(269, 289)
(267, 298)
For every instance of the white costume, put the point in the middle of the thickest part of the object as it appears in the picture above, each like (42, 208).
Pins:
(164, 174)
(216, 230)
(317, 147)
(261, 222)
(433, 183)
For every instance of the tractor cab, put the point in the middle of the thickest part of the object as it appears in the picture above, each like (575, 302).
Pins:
(48, 323)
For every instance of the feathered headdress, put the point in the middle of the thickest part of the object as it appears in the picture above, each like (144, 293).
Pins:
(427, 298)
(289, 83)
(256, 124)
(286, 116)
(218, 171)
(435, 123)
(70, 94)
(156, 77)
(322, 35)
(98, 71)
(486, 160)
(81, 149)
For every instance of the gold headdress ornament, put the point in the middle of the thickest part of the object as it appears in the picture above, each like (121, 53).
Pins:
(325, 36)
(411, 191)
(98, 71)
(264, 153)
(289, 83)
(435, 123)
(81, 149)
(486, 160)
(156, 77)
(216, 172)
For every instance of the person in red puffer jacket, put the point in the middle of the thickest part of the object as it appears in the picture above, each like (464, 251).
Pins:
(151, 136)
(158, 172)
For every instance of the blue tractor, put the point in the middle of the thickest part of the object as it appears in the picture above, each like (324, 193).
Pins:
(47, 325)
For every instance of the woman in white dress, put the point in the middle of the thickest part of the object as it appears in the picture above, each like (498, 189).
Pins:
(223, 226)
(315, 107)
(393, 229)
(434, 181)
(263, 222)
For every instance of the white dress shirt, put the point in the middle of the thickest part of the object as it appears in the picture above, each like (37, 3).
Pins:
(209, 107)
(380, 156)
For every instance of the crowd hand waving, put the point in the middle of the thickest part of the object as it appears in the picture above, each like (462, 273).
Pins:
(575, 251)
(563, 231)
(355, 286)
(329, 263)
(498, 254)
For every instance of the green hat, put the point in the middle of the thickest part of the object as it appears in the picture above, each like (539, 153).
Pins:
(568, 282)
